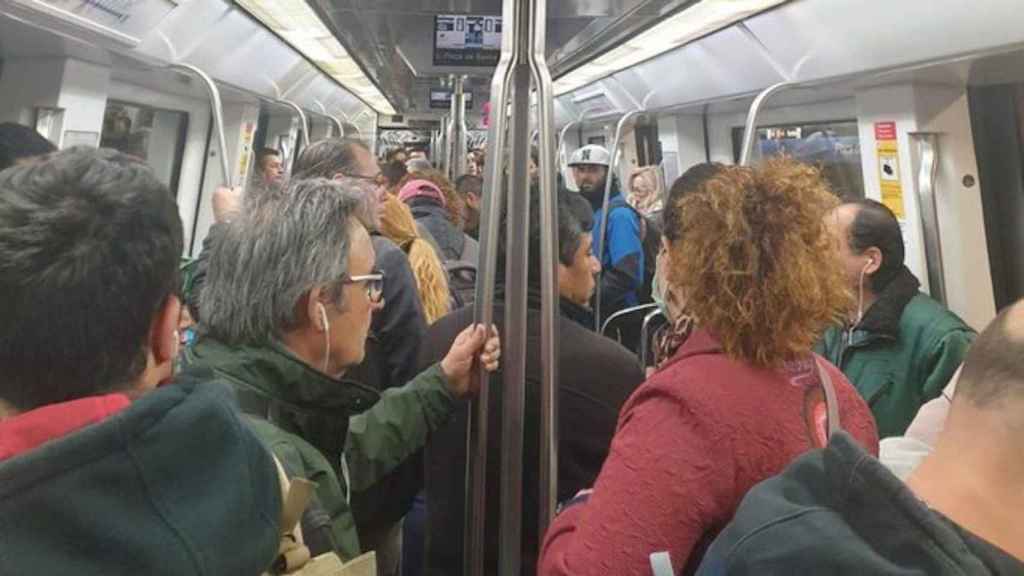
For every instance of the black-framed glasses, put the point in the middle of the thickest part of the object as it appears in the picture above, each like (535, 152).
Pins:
(375, 178)
(374, 285)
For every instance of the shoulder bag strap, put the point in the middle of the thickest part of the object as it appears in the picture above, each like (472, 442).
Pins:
(831, 400)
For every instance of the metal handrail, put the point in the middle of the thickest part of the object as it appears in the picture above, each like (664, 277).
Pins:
(337, 123)
(217, 107)
(645, 335)
(302, 118)
(750, 127)
(625, 312)
(928, 144)
(490, 218)
(548, 477)
(603, 231)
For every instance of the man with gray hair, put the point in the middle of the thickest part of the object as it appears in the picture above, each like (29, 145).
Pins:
(397, 330)
(287, 307)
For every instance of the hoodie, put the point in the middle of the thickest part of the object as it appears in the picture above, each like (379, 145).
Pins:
(173, 483)
(839, 511)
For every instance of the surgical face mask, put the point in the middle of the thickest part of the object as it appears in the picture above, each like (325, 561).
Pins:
(659, 295)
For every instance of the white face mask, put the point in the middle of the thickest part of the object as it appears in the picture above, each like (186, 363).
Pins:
(659, 295)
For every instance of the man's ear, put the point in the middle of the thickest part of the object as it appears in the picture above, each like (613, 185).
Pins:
(313, 306)
(163, 336)
(875, 262)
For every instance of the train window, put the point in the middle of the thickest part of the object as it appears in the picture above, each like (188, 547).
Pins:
(152, 134)
(834, 147)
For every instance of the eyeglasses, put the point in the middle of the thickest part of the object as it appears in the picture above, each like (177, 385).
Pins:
(374, 285)
(375, 178)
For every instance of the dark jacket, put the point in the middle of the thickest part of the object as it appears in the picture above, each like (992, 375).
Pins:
(396, 332)
(201, 265)
(622, 263)
(596, 377)
(454, 244)
(903, 352)
(173, 484)
(839, 511)
(310, 421)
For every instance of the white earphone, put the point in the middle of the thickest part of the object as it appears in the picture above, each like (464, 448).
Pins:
(327, 335)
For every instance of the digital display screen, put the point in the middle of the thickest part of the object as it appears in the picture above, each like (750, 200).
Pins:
(461, 40)
(442, 98)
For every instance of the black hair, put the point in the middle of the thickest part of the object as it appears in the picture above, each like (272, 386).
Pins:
(90, 243)
(18, 142)
(574, 220)
(263, 153)
(994, 366)
(689, 182)
(876, 225)
(393, 171)
(469, 184)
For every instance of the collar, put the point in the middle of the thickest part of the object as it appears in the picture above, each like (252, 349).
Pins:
(884, 315)
(274, 372)
(27, 431)
(566, 309)
(700, 341)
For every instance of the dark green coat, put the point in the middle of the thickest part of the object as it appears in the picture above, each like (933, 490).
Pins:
(340, 434)
(902, 354)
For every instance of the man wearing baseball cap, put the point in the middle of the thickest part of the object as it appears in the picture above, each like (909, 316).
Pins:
(622, 260)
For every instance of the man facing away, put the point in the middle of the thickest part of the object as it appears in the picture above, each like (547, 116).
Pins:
(839, 511)
(104, 469)
(898, 347)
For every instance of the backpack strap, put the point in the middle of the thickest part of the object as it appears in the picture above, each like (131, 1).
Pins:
(831, 399)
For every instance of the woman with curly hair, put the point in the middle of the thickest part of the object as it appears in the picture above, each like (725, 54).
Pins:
(755, 265)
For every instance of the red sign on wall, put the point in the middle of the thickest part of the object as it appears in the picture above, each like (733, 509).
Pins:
(885, 130)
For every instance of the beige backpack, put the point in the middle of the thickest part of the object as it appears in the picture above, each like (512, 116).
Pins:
(293, 556)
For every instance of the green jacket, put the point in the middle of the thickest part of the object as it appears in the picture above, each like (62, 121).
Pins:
(902, 353)
(340, 434)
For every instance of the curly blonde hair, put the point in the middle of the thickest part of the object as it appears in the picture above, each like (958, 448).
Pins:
(756, 262)
(454, 203)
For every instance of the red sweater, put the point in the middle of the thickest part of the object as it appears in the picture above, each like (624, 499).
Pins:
(691, 441)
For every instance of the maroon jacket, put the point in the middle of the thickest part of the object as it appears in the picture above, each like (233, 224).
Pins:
(691, 441)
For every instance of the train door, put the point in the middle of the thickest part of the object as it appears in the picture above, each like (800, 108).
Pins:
(997, 121)
(154, 135)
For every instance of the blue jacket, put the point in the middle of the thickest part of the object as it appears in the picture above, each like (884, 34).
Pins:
(622, 263)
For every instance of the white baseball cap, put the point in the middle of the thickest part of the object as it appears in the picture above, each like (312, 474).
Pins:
(590, 154)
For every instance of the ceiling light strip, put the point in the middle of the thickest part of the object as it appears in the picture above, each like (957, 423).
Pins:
(298, 25)
(697, 21)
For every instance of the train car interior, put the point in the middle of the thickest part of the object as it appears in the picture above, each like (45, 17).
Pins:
(918, 104)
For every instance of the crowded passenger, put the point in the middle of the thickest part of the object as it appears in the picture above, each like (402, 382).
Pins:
(398, 328)
(269, 167)
(622, 262)
(287, 310)
(105, 467)
(19, 144)
(439, 208)
(645, 191)
(898, 346)
(471, 189)
(596, 377)
(839, 511)
(741, 396)
(399, 226)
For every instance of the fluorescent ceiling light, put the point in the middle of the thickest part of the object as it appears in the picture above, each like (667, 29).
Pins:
(694, 22)
(299, 25)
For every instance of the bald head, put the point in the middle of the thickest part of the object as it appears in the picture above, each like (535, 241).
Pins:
(993, 371)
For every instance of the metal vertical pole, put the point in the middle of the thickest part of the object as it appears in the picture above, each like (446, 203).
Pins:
(458, 143)
(547, 164)
(603, 230)
(301, 114)
(928, 149)
(517, 258)
(495, 184)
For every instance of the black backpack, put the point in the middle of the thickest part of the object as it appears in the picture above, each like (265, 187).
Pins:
(462, 276)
